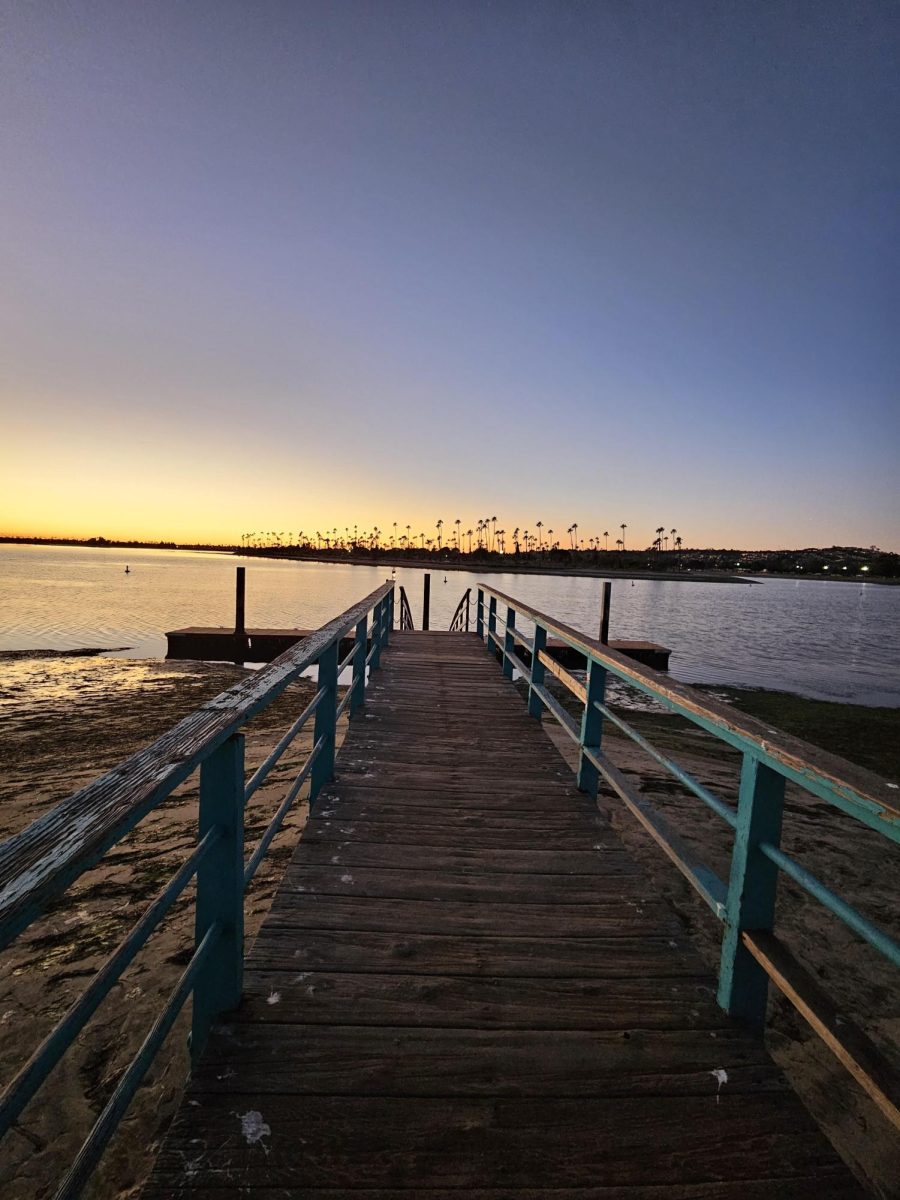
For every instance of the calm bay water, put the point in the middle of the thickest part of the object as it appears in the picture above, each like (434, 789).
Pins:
(830, 641)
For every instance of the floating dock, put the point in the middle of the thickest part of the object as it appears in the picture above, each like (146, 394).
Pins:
(264, 645)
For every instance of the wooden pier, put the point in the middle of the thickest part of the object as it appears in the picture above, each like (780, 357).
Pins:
(465, 988)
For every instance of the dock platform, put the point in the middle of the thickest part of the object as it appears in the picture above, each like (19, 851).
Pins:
(465, 988)
(264, 645)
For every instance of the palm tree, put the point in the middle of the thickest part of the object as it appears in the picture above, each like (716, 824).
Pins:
(407, 535)
(494, 521)
(678, 543)
(549, 539)
(440, 526)
(620, 543)
(659, 532)
(606, 539)
(469, 535)
(574, 535)
(540, 526)
(623, 527)
(673, 532)
(457, 524)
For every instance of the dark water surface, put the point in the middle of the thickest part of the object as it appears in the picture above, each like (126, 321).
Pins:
(829, 641)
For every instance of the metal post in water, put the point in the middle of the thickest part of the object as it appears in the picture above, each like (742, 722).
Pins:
(426, 600)
(239, 602)
(241, 641)
(605, 604)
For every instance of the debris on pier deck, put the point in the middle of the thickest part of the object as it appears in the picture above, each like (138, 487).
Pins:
(465, 988)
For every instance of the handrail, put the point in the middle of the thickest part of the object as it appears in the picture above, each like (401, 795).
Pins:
(460, 620)
(39, 863)
(406, 620)
(746, 904)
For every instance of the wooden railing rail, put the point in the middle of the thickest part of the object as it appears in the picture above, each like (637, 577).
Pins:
(751, 954)
(39, 863)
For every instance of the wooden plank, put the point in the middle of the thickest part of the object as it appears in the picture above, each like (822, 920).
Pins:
(338, 1142)
(282, 949)
(812, 1187)
(450, 828)
(485, 1002)
(437, 916)
(608, 861)
(471, 888)
(363, 1061)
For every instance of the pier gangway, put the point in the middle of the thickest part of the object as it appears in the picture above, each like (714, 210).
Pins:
(465, 984)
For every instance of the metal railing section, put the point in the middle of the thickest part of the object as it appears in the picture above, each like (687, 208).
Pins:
(39, 863)
(460, 620)
(406, 620)
(751, 953)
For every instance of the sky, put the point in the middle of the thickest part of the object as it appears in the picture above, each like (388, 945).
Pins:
(286, 265)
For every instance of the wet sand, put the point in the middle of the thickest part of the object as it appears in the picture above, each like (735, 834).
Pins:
(64, 720)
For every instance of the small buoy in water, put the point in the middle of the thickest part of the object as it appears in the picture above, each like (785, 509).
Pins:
(445, 579)
(128, 570)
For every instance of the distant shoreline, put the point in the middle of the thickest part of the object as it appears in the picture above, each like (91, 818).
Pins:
(850, 564)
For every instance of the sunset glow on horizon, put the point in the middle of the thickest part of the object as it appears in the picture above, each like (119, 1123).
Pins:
(307, 266)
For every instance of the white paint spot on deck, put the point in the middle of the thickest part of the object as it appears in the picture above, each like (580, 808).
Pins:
(254, 1128)
(273, 998)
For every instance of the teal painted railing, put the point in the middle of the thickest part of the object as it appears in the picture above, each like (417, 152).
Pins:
(42, 861)
(751, 953)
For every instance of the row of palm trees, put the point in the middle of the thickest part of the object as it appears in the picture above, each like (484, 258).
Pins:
(487, 537)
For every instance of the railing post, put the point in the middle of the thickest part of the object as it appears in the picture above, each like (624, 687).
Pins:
(509, 641)
(426, 601)
(323, 768)
(390, 623)
(377, 634)
(220, 888)
(358, 686)
(468, 597)
(479, 615)
(752, 886)
(492, 627)
(591, 728)
(535, 707)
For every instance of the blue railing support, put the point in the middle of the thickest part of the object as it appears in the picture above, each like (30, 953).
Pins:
(539, 643)
(752, 887)
(358, 686)
(509, 642)
(377, 635)
(591, 728)
(220, 888)
(326, 724)
(492, 626)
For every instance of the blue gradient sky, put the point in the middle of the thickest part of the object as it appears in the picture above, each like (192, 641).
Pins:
(297, 265)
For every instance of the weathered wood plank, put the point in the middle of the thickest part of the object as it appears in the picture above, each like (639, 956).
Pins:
(282, 949)
(340, 1142)
(608, 861)
(472, 888)
(364, 1061)
(450, 828)
(485, 1002)
(426, 916)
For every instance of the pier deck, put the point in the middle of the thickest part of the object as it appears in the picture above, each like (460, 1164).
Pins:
(465, 988)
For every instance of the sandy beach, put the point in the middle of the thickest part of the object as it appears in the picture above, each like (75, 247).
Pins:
(67, 718)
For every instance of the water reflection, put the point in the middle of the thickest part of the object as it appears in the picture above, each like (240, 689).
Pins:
(833, 641)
